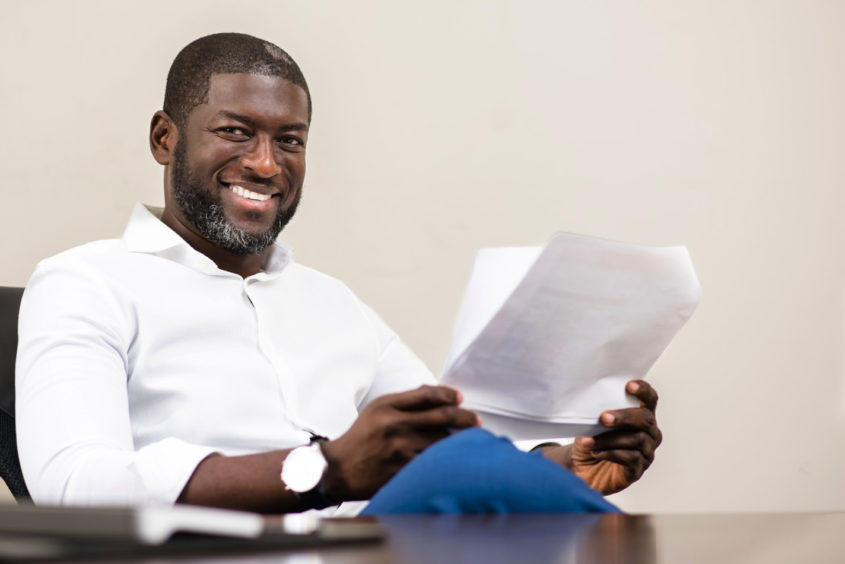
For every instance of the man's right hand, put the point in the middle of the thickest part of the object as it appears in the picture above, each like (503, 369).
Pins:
(388, 433)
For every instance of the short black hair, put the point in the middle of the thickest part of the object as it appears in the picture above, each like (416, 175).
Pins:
(223, 53)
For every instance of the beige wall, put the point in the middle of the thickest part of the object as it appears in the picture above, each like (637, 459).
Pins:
(443, 126)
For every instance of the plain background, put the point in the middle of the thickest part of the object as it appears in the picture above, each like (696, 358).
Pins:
(443, 126)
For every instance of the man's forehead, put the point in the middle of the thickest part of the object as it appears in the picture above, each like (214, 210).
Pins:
(244, 83)
(266, 94)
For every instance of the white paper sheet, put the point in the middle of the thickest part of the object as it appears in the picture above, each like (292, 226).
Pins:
(546, 338)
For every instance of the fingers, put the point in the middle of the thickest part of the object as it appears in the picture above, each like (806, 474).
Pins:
(610, 445)
(431, 407)
(447, 417)
(643, 391)
(389, 432)
(412, 444)
(633, 453)
(424, 397)
(636, 418)
(633, 434)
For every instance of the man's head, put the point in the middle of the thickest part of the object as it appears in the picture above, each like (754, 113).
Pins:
(232, 136)
(223, 53)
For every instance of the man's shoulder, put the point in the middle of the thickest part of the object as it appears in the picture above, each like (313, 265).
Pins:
(92, 249)
(104, 250)
(75, 278)
(105, 262)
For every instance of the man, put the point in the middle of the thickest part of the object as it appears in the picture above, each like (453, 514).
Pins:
(193, 359)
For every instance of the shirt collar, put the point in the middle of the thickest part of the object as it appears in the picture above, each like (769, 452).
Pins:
(146, 233)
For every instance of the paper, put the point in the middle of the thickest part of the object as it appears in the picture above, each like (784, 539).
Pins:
(546, 338)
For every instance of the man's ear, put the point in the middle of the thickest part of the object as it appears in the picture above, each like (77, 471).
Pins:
(163, 136)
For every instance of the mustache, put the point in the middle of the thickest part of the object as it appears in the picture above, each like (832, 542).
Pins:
(248, 179)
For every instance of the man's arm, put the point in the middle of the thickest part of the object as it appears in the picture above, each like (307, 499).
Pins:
(75, 438)
(393, 429)
(389, 432)
(613, 460)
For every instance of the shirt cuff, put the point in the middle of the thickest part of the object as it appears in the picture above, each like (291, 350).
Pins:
(164, 467)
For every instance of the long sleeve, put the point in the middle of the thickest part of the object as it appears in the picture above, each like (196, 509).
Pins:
(398, 368)
(74, 434)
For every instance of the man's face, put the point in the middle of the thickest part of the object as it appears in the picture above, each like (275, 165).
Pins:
(239, 161)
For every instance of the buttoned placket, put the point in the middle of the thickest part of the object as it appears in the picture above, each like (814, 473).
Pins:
(286, 380)
(169, 245)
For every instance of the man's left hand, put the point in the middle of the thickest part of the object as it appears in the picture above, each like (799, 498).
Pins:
(615, 459)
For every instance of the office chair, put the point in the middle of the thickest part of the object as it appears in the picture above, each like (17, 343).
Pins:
(10, 467)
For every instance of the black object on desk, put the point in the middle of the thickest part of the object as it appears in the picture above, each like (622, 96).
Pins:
(40, 533)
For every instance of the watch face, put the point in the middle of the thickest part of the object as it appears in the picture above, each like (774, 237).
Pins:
(303, 468)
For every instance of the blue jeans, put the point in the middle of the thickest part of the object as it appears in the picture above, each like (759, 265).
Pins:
(476, 472)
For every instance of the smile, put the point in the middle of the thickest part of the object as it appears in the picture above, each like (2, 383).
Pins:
(249, 194)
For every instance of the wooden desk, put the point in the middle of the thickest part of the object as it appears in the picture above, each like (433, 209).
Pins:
(609, 539)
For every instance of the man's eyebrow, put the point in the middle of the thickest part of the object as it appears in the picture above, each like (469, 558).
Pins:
(232, 115)
(296, 126)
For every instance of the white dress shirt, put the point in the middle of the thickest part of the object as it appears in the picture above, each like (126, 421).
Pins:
(138, 357)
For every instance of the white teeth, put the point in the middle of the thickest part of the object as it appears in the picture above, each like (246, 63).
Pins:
(249, 194)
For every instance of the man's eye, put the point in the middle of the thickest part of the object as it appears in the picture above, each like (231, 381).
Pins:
(290, 142)
(233, 132)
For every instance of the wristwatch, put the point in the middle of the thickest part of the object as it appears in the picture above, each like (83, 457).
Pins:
(303, 471)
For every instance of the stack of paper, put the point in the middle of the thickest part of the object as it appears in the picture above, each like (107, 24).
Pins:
(546, 338)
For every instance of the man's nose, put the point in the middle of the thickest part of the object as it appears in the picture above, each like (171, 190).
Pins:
(261, 159)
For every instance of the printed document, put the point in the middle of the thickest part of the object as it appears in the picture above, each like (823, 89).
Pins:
(546, 338)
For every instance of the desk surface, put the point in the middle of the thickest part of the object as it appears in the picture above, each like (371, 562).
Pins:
(607, 539)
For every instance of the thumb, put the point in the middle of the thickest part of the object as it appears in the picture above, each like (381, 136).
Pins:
(584, 444)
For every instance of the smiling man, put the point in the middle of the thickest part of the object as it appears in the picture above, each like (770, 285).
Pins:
(193, 360)
(247, 153)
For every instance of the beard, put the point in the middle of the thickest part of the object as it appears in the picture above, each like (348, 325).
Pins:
(205, 211)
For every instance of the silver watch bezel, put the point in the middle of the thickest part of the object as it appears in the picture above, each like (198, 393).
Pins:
(303, 468)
